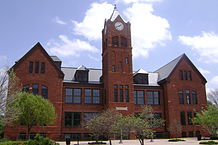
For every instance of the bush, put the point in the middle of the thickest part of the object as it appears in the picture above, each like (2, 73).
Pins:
(4, 140)
(96, 143)
(175, 140)
(39, 140)
(14, 143)
(209, 142)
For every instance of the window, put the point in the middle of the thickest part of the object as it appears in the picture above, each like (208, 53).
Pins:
(181, 97)
(92, 96)
(96, 96)
(30, 67)
(182, 118)
(123, 42)
(115, 93)
(181, 75)
(36, 67)
(157, 115)
(194, 97)
(89, 115)
(153, 97)
(184, 134)
(121, 93)
(25, 88)
(22, 136)
(120, 65)
(189, 116)
(72, 119)
(127, 93)
(81, 75)
(73, 96)
(185, 75)
(191, 134)
(73, 136)
(42, 67)
(113, 68)
(188, 98)
(115, 41)
(189, 75)
(35, 89)
(126, 60)
(139, 97)
(45, 92)
(141, 79)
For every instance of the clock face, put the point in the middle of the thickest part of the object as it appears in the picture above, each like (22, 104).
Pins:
(119, 26)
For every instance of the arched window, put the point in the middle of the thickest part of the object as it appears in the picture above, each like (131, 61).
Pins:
(25, 88)
(45, 92)
(123, 42)
(115, 41)
(35, 89)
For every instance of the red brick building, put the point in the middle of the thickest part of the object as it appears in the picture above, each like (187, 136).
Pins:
(175, 91)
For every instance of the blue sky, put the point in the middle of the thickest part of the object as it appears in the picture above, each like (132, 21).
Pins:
(71, 30)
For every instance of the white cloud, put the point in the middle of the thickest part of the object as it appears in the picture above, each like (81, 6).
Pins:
(93, 58)
(4, 61)
(204, 71)
(59, 21)
(67, 47)
(214, 80)
(93, 22)
(136, 1)
(205, 44)
(148, 30)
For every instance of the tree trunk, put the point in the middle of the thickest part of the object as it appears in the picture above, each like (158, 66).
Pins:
(110, 142)
(28, 131)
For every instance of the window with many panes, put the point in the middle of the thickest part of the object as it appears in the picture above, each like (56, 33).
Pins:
(35, 89)
(123, 42)
(25, 88)
(121, 93)
(189, 116)
(182, 118)
(185, 75)
(194, 97)
(127, 93)
(139, 97)
(73, 95)
(72, 119)
(92, 96)
(153, 97)
(115, 93)
(45, 92)
(30, 67)
(89, 115)
(188, 97)
(181, 97)
(42, 67)
(36, 67)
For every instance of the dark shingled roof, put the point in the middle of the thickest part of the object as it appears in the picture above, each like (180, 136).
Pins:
(94, 75)
(166, 70)
(55, 58)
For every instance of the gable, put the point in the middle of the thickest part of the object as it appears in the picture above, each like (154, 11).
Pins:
(38, 52)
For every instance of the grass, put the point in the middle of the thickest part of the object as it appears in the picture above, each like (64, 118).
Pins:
(175, 140)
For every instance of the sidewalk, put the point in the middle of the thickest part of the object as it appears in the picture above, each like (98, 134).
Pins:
(189, 141)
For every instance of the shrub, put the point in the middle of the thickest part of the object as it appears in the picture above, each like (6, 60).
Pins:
(39, 140)
(209, 142)
(175, 140)
(14, 143)
(4, 140)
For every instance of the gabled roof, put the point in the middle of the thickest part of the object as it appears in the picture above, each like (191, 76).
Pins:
(39, 46)
(165, 72)
(141, 71)
(82, 67)
(115, 14)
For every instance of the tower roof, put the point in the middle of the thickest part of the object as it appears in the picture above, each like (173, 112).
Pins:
(115, 14)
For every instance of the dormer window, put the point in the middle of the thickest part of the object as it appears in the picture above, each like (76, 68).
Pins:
(82, 74)
(115, 41)
(141, 79)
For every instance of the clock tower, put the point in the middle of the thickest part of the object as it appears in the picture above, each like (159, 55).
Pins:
(117, 63)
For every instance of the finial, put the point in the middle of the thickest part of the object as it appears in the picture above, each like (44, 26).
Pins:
(115, 6)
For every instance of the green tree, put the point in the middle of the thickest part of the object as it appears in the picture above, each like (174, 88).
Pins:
(208, 118)
(102, 124)
(33, 110)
